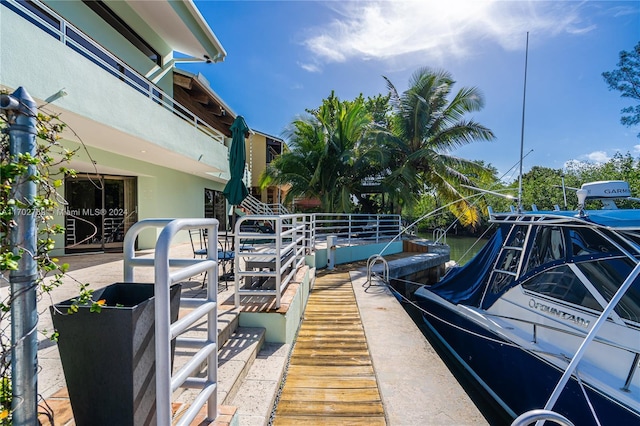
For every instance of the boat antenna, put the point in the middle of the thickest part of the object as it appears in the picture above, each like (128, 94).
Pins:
(524, 97)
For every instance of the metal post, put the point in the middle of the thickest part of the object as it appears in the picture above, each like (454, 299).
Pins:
(24, 314)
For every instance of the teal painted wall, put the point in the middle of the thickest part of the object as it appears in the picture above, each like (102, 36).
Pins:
(43, 66)
(86, 20)
(355, 253)
(282, 328)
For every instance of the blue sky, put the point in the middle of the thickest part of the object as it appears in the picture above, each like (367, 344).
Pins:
(286, 56)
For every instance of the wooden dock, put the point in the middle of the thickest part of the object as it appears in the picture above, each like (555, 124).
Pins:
(330, 379)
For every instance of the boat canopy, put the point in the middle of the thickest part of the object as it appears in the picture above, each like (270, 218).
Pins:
(464, 284)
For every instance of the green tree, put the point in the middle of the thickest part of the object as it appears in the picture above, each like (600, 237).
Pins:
(619, 167)
(542, 186)
(626, 79)
(328, 159)
(426, 127)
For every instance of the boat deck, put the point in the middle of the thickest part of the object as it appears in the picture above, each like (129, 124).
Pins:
(330, 379)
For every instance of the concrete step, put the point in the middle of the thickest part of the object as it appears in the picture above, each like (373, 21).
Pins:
(235, 358)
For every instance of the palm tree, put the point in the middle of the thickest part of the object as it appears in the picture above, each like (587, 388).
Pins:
(325, 160)
(425, 128)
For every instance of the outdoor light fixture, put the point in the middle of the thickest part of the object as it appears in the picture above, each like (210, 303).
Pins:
(59, 94)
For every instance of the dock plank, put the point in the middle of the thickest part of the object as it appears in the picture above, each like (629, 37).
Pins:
(330, 379)
(332, 421)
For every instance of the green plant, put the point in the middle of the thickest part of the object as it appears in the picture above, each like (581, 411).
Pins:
(47, 168)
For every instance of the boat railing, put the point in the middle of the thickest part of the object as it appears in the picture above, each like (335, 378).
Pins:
(440, 235)
(68, 34)
(541, 415)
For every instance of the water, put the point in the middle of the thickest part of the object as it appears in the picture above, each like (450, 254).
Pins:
(462, 248)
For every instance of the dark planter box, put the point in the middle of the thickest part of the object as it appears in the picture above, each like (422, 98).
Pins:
(108, 358)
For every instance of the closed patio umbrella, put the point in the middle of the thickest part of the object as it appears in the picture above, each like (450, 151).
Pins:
(235, 191)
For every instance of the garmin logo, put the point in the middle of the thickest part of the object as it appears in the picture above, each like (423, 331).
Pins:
(558, 313)
(617, 191)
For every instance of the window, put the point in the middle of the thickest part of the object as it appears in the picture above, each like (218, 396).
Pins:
(607, 275)
(121, 27)
(274, 149)
(585, 241)
(215, 207)
(562, 284)
(548, 246)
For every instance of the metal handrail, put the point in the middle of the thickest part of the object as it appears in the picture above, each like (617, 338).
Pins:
(276, 256)
(149, 89)
(440, 235)
(166, 383)
(358, 227)
(371, 262)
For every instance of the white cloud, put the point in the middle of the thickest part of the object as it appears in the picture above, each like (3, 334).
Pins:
(597, 157)
(636, 148)
(387, 29)
(310, 67)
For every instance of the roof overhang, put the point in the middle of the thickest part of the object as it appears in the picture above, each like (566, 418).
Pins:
(181, 25)
(203, 84)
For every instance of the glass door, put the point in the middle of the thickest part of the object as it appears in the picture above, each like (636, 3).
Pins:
(215, 207)
(99, 212)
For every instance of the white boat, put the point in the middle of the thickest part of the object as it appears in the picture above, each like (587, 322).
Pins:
(547, 314)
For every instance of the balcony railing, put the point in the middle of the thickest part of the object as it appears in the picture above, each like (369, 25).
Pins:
(53, 24)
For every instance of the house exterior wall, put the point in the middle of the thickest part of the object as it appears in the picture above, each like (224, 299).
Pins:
(87, 21)
(115, 122)
(162, 192)
(256, 147)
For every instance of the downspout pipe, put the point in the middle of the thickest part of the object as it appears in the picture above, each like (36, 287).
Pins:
(21, 110)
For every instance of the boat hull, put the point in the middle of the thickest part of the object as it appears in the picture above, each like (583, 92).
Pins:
(518, 379)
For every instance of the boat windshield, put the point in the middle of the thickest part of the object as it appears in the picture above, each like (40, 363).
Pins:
(607, 275)
(587, 242)
(548, 246)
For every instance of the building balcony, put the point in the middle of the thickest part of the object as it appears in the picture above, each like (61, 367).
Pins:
(109, 104)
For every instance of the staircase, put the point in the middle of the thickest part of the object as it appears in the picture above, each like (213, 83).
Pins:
(250, 370)
(254, 206)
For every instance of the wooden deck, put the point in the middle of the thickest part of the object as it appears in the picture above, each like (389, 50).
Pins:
(330, 380)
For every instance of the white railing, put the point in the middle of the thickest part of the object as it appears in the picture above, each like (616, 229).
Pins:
(356, 228)
(279, 208)
(266, 263)
(255, 206)
(72, 37)
(207, 349)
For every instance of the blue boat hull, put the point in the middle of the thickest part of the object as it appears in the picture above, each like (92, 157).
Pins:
(518, 379)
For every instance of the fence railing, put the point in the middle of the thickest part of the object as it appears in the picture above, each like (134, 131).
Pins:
(265, 263)
(53, 24)
(356, 228)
